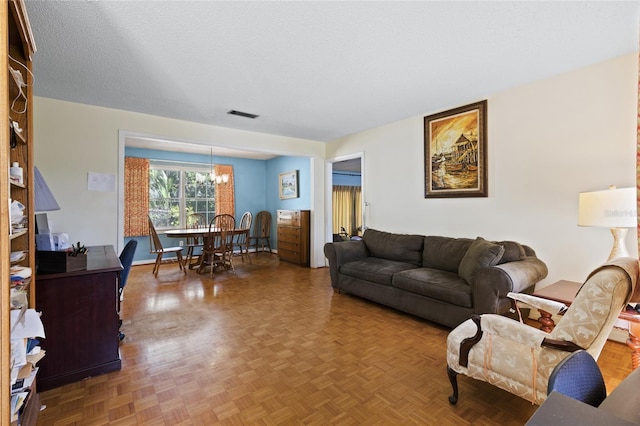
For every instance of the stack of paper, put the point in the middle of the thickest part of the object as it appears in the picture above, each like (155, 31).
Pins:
(20, 279)
(26, 326)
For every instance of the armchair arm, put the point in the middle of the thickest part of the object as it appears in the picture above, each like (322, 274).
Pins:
(341, 253)
(513, 331)
(491, 285)
(503, 327)
(547, 305)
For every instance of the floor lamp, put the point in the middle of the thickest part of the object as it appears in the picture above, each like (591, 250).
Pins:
(611, 208)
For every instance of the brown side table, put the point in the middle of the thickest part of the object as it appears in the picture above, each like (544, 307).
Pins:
(634, 335)
(565, 291)
(561, 291)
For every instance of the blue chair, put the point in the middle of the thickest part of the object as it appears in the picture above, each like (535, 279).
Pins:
(126, 259)
(578, 376)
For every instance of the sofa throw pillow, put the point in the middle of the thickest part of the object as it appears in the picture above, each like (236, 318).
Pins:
(513, 251)
(481, 253)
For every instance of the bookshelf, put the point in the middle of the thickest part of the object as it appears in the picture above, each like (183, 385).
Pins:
(18, 249)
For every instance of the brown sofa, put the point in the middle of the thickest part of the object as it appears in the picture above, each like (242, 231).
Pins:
(441, 279)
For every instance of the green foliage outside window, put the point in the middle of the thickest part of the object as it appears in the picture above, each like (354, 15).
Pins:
(176, 193)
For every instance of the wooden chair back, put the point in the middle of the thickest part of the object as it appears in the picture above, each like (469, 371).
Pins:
(155, 245)
(262, 226)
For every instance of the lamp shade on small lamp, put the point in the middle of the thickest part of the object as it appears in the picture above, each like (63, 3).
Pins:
(611, 208)
(44, 199)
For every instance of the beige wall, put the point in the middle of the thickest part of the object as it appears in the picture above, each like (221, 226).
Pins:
(73, 139)
(547, 141)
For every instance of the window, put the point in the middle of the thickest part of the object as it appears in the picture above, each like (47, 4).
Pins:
(175, 192)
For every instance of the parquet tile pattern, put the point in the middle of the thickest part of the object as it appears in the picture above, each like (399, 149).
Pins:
(271, 344)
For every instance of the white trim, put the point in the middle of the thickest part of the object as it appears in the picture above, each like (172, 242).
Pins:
(329, 192)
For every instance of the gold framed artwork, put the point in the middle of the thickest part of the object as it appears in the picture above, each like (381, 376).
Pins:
(288, 185)
(455, 152)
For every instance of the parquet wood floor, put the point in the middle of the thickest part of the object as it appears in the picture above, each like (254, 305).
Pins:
(271, 344)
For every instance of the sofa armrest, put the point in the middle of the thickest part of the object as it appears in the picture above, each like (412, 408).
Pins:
(341, 253)
(491, 285)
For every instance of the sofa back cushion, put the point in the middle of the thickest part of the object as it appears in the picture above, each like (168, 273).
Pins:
(444, 253)
(399, 247)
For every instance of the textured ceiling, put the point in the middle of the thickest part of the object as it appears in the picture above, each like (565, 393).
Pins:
(316, 70)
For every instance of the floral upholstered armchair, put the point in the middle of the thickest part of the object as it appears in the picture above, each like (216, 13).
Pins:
(519, 358)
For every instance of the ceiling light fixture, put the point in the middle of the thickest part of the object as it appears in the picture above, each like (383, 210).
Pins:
(242, 114)
(217, 179)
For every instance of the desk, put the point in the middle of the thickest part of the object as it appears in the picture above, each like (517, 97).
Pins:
(80, 316)
(559, 409)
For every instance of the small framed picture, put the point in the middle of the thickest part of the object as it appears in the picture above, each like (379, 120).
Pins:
(288, 184)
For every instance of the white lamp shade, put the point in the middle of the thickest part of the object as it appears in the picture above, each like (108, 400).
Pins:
(44, 199)
(610, 208)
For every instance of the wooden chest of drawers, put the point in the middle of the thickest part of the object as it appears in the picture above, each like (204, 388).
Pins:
(293, 236)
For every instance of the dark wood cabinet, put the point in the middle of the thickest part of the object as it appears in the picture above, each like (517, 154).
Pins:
(80, 316)
(293, 235)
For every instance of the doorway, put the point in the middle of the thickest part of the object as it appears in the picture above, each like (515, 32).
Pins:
(345, 199)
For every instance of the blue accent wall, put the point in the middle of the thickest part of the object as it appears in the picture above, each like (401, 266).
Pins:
(256, 187)
(347, 179)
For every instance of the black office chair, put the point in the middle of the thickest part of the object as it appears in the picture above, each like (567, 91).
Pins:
(126, 259)
(578, 376)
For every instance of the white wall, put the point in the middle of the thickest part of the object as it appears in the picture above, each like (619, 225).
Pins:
(73, 139)
(547, 141)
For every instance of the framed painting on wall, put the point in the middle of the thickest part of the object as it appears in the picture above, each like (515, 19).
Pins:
(288, 185)
(455, 152)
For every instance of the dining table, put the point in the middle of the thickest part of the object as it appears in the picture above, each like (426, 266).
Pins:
(200, 233)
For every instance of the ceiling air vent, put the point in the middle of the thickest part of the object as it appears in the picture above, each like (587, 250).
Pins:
(242, 114)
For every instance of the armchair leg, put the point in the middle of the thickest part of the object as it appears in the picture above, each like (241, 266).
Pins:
(453, 378)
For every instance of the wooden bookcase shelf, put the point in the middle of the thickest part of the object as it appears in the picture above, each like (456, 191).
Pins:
(17, 47)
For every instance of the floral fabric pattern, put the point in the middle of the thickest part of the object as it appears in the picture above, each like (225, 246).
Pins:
(510, 354)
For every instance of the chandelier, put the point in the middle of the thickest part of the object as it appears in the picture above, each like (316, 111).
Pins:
(213, 178)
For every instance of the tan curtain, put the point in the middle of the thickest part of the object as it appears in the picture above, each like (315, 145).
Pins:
(136, 196)
(347, 209)
(225, 193)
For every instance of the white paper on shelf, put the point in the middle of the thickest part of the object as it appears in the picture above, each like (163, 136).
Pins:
(16, 255)
(18, 353)
(28, 326)
(20, 271)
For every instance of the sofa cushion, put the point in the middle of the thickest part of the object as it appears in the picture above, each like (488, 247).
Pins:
(374, 269)
(445, 286)
(481, 253)
(444, 253)
(513, 251)
(398, 247)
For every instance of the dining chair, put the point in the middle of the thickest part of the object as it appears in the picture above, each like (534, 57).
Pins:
(194, 221)
(579, 377)
(155, 247)
(261, 231)
(241, 238)
(218, 244)
(126, 259)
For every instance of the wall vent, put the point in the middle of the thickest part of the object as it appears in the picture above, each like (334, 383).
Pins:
(242, 114)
